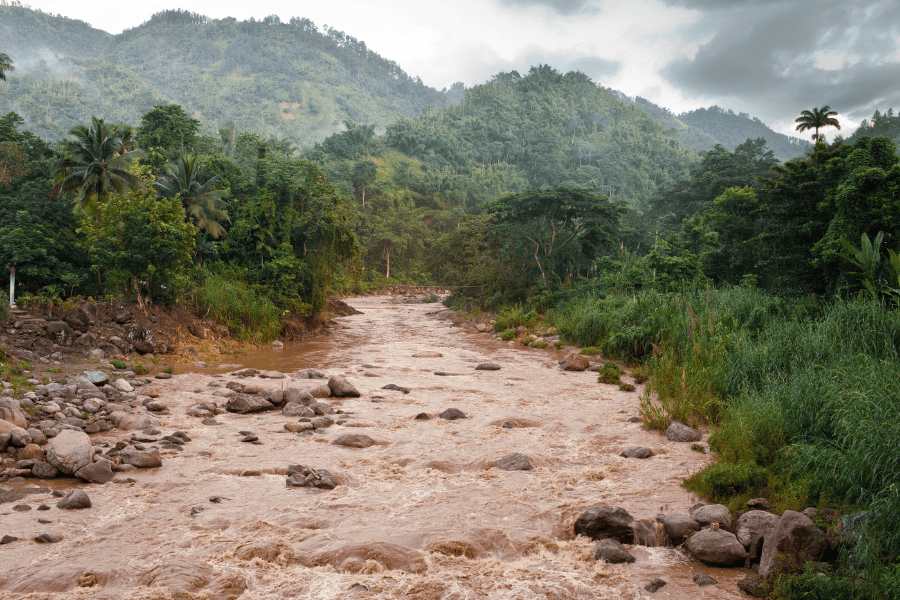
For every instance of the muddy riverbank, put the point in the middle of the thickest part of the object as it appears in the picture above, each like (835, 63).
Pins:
(422, 513)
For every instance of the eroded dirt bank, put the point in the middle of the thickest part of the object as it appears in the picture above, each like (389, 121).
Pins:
(421, 514)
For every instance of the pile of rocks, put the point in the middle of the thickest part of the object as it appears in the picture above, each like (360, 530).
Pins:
(45, 433)
(89, 329)
(710, 534)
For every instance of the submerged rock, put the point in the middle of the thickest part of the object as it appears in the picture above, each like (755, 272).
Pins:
(488, 366)
(602, 522)
(354, 440)
(514, 462)
(575, 362)
(636, 452)
(452, 414)
(302, 476)
(612, 552)
(74, 500)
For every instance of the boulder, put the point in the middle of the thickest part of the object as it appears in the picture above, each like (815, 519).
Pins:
(96, 472)
(752, 528)
(679, 432)
(74, 500)
(298, 396)
(514, 462)
(43, 470)
(636, 452)
(396, 388)
(452, 414)
(716, 547)
(299, 427)
(301, 476)
(11, 411)
(245, 404)
(341, 387)
(123, 386)
(60, 332)
(754, 585)
(354, 440)
(794, 540)
(575, 362)
(488, 366)
(142, 459)
(130, 421)
(712, 513)
(605, 522)
(69, 451)
(98, 378)
(296, 409)
(679, 526)
(612, 552)
(13, 435)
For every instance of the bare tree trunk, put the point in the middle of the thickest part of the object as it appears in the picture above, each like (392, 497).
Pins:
(364, 197)
(387, 261)
(537, 259)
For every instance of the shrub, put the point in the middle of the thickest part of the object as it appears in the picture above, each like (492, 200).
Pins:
(590, 351)
(247, 312)
(513, 317)
(610, 373)
(724, 481)
(4, 309)
(508, 335)
(118, 364)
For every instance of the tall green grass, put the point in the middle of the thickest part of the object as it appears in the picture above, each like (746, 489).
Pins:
(806, 397)
(248, 312)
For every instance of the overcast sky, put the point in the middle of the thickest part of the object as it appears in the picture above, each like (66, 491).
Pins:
(770, 58)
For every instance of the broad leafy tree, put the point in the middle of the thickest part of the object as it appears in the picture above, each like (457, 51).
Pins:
(6, 65)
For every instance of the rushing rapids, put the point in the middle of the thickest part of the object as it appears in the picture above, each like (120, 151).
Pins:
(481, 505)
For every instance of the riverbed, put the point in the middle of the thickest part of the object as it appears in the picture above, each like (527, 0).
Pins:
(422, 514)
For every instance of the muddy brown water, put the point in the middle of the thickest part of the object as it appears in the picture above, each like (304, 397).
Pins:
(421, 515)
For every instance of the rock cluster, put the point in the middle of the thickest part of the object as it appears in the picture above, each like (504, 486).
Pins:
(710, 534)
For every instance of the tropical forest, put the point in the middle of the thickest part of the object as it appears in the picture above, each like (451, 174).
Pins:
(339, 333)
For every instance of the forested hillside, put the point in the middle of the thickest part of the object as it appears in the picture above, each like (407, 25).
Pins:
(703, 128)
(289, 80)
(882, 124)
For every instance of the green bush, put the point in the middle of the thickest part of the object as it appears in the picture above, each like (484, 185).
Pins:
(724, 481)
(513, 317)
(4, 309)
(247, 312)
(508, 335)
(610, 373)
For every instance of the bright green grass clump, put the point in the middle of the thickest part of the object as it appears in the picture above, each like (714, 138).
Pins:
(610, 373)
(248, 313)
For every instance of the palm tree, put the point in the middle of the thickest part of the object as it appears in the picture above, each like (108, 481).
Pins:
(6, 65)
(96, 161)
(199, 194)
(816, 119)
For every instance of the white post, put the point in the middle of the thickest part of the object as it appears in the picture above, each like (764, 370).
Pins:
(12, 286)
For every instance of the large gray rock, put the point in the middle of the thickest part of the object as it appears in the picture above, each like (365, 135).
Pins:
(602, 522)
(514, 462)
(69, 451)
(60, 332)
(13, 435)
(716, 547)
(246, 404)
(612, 552)
(679, 432)
(752, 528)
(302, 476)
(354, 440)
(98, 378)
(712, 513)
(342, 388)
(74, 500)
(636, 452)
(96, 472)
(11, 410)
(297, 395)
(679, 526)
(794, 540)
(127, 421)
(296, 409)
(142, 459)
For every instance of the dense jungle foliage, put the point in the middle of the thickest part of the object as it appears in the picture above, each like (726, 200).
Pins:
(760, 298)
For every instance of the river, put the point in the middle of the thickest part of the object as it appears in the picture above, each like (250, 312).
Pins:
(420, 515)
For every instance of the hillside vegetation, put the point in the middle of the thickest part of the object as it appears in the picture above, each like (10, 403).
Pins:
(288, 80)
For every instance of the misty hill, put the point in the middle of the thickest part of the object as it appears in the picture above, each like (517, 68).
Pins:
(543, 128)
(287, 79)
(703, 128)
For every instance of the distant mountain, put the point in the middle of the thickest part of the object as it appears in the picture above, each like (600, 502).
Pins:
(290, 79)
(882, 124)
(703, 128)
